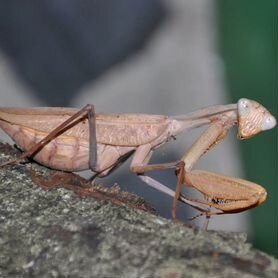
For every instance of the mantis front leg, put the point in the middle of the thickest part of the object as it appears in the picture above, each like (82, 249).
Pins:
(211, 136)
(226, 194)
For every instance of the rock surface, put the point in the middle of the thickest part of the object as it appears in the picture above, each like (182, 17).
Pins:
(58, 233)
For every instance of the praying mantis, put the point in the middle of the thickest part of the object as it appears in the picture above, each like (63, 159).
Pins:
(73, 140)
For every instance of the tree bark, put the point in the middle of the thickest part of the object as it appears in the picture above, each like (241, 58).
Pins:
(59, 233)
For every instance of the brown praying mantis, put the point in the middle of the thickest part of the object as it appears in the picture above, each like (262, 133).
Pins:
(69, 139)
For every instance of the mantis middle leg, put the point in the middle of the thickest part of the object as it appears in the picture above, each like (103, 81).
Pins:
(139, 166)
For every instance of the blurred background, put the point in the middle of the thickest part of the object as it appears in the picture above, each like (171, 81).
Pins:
(155, 57)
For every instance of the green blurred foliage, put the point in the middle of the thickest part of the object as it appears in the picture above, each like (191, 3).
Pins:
(248, 43)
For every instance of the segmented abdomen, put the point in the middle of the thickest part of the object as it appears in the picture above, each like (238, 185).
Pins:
(65, 153)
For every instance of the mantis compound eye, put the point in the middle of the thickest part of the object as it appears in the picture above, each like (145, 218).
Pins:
(269, 122)
(253, 118)
(243, 106)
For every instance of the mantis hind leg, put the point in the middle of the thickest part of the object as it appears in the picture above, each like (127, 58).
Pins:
(71, 121)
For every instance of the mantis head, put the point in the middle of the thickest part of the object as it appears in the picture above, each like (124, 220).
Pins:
(253, 118)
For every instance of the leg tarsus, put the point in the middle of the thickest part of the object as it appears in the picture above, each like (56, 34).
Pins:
(206, 223)
(14, 160)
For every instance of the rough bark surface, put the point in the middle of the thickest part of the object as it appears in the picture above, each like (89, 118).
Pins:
(58, 233)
